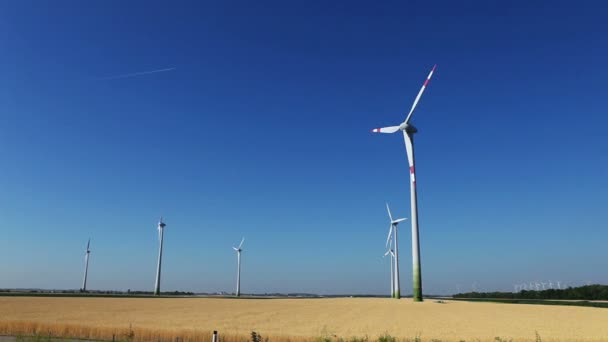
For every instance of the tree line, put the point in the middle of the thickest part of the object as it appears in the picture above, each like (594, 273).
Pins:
(587, 292)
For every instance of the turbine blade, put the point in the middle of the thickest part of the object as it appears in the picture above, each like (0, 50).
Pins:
(88, 244)
(241, 244)
(428, 79)
(409, 148)
(389, 212)
(390, 232)
(391, 129)
(399, 220)
(236, 249)
(387, 253)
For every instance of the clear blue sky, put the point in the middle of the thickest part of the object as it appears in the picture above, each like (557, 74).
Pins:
(263, 131)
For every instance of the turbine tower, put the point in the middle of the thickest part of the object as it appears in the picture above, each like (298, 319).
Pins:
(86, 266)
(238, 270)
(161, 231)
(392, 232)
(408, 135)
(392, 256)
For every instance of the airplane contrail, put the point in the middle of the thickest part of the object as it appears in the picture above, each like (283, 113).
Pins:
(134, 74)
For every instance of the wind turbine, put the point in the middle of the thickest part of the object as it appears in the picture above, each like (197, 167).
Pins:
(392, 256)
(408, 135)
(86, 266)
(393, 232)
(238, 272)
(161, 233)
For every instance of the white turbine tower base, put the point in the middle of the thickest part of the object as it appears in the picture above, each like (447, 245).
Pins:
(161, 233)
(238, 267)
(408, 135)
(86, 266)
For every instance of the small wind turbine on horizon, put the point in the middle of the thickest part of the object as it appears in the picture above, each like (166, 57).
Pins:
(408, 134)
(161, 232)
(392, 257)
(86, 266)
(392, 234)
(238, 250)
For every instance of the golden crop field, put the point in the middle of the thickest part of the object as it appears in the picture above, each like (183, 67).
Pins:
(297, 320)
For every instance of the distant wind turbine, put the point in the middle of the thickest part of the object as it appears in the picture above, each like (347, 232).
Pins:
(408, 131)
(161, 233)
(392, 257)
(238, 271)
(86, 266)
(393, 231)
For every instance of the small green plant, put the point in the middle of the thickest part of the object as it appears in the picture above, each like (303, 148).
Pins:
(386, 338)
(360, 339)
(255, 337)
(538, 339)
(500, 339)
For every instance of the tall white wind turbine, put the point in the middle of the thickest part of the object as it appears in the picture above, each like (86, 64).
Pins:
(393, 232)
(408, 134)
(238, 267)
(86, 266)
(161, 233)
(392, 257)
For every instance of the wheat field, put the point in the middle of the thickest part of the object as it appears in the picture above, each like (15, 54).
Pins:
(297, 320)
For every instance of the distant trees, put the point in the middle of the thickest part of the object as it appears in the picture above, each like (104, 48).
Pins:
(587, 292)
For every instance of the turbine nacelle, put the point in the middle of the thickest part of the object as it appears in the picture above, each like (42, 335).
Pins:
(396, 222)
(239, 249)
(408, 128)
